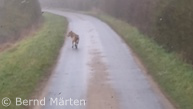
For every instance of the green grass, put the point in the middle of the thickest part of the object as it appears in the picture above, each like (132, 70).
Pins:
(23, 66)
(174, 76)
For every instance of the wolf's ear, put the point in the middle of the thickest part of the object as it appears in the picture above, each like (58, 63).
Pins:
(70, 31)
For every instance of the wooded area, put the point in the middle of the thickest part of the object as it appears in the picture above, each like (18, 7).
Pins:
(16, 15)
(169, 22)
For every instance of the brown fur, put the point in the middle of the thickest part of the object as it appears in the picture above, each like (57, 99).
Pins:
(75, 38)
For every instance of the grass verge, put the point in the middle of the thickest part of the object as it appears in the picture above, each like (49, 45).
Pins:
(22, 66)
(174, 76)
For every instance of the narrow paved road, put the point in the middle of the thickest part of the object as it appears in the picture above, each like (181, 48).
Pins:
(102, 71)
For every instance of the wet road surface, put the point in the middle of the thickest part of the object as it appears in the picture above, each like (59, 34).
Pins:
(102, 71)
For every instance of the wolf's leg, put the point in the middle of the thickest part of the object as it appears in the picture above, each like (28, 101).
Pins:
(76, 46)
